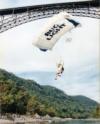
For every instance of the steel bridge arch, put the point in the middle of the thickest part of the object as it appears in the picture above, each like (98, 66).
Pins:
(12, 17)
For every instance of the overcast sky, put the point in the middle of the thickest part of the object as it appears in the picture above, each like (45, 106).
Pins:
(16, 3)
(80, 56)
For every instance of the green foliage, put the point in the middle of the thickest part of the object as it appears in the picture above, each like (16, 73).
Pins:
(22, 96)
(96, 112)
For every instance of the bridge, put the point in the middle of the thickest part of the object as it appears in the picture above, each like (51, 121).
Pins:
(12, 17)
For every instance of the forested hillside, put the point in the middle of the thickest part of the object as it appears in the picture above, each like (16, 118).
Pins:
(22, 96)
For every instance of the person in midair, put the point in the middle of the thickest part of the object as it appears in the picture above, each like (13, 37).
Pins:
(60, 69)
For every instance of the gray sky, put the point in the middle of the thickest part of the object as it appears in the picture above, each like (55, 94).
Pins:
(16, 3)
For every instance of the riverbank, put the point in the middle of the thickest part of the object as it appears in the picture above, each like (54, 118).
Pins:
(6, 121)
(27, 119)
(21, 121)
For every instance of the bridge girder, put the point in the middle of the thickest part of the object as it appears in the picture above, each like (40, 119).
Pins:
(13, 17)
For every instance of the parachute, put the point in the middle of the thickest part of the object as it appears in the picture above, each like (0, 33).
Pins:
(53, 30)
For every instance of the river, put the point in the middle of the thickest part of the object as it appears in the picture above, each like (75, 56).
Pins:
(73, 122)
(79, 122)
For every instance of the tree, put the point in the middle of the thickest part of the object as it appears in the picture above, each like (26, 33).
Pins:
(96, 113)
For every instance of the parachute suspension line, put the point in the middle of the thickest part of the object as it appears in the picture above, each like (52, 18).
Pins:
(68, 36)
(59, 64)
